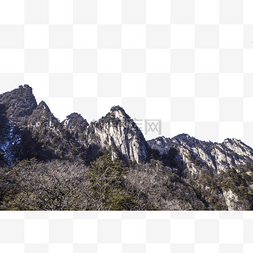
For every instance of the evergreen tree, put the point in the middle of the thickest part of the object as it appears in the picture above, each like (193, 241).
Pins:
(107, 191)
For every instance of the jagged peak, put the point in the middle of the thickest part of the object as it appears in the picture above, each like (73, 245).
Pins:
(42, 115)
(25, 86)
(160, 138)
(22, 89)
(115, 113)
(235, 142)
(118, 110)
(117, 107)
(25, 89)
(74, 115)
(19, 102)
(42, 105)
(184, 136)
(231, 140)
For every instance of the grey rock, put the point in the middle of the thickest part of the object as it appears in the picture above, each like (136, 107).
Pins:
(118, 132)
(195, 154)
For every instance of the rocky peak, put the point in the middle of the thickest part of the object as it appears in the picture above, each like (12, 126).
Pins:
(43, 105)
(75, 118)
(119, 133)
(117, 115)
(42, 116)
(184, 138)
(76, 125)
(119, 112)
(19, 104)
(196, 154)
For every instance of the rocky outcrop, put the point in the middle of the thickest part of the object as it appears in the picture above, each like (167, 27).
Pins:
(231, 200)
(115, 133)
(42, 118)
(76, 125)
(118, 133)
(196, 154)
(19, 104)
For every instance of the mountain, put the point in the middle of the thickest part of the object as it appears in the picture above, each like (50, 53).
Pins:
(36, 132)
(32, 130)
(178, 173)
(119, 134)
(195, 154)
(19, 104)
(215, 170)
(43, 136)
(76, 125)
(15, 108)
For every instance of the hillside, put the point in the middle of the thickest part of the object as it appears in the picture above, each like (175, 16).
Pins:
(46, 164)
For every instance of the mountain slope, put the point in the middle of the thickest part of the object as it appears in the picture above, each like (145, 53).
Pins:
(27, 127)
(195, 154)
(19, 104)
(76, 125)
(179, 173)
(30, 130)
(52, 134)
(118, 133)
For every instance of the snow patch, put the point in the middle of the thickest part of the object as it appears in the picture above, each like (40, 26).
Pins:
(9, 143)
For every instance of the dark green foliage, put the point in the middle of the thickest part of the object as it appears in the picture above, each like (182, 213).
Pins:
(208, 189)
(173, 152)
(110, 185)
(53, 137)
(30, 146)
(107, 190)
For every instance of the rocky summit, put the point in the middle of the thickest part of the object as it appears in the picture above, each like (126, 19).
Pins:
(118, 133)
(195, 154)
(109, 165)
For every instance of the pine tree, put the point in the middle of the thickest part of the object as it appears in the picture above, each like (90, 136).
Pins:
(107, 191)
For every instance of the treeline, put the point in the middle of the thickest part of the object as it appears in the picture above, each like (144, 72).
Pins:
(110, 185)
(64, 185)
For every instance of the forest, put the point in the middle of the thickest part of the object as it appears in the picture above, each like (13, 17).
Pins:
(111, 185)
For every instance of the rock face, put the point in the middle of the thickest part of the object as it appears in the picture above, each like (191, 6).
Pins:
(53, 135)
(188, 174)
(19, 104)
(76, 125)
(15, 108)
(118, 133)
(42, 117)
(38, 129)
(30, 126)
(194, 153)
(231, 200)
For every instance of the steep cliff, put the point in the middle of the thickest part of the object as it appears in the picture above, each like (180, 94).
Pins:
(196, 154)
(118, 133)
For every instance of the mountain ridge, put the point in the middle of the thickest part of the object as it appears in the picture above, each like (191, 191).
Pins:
(115, 134)
(178, 173)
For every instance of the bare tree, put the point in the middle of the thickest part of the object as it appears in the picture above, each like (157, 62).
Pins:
(58, 185)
